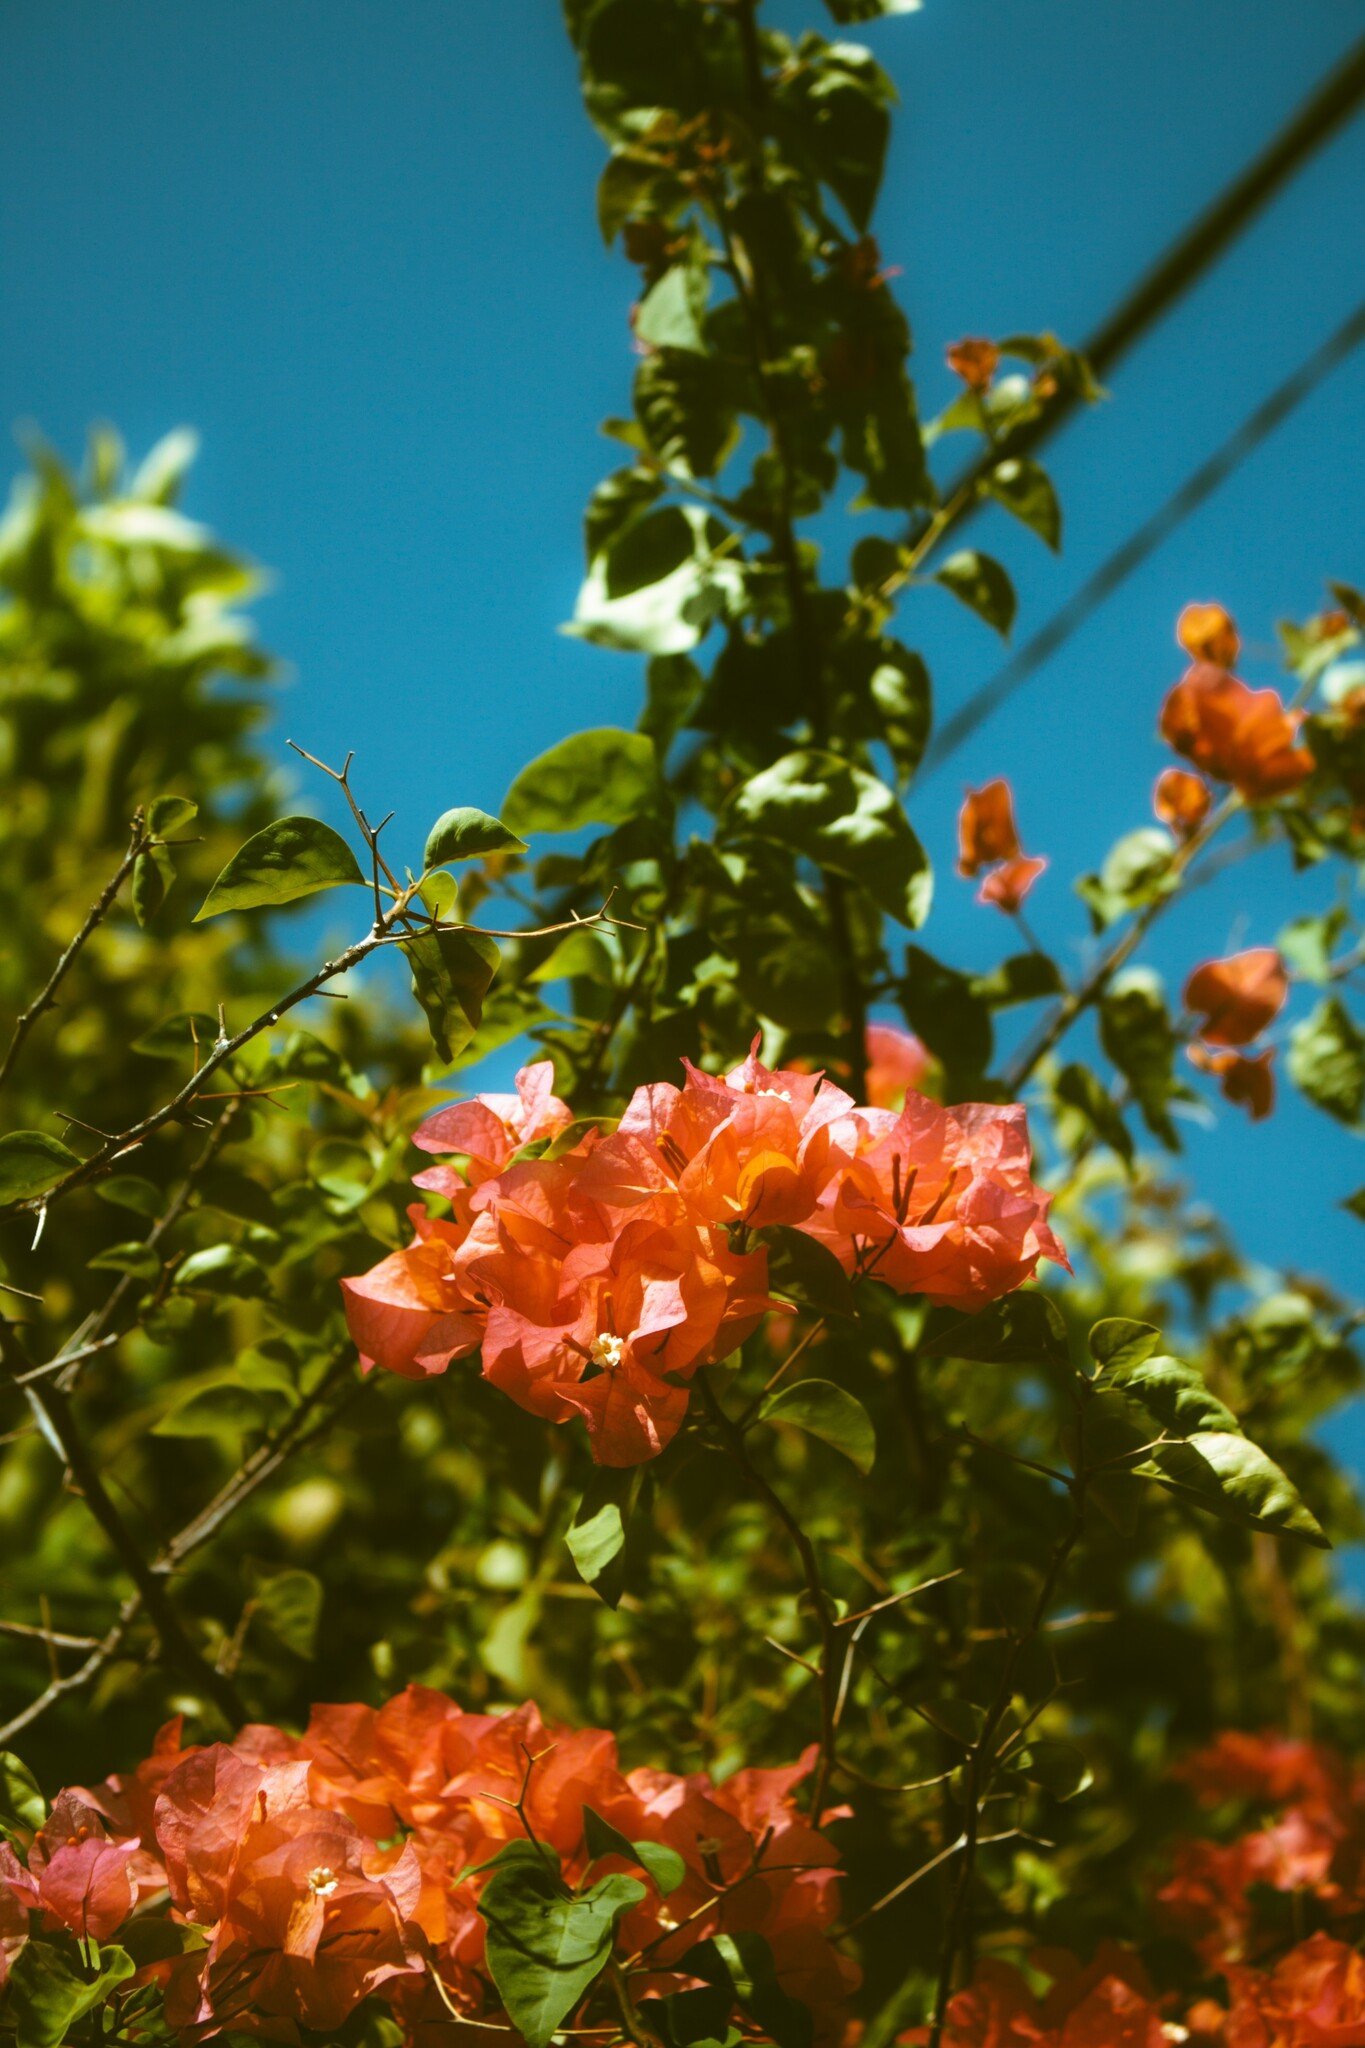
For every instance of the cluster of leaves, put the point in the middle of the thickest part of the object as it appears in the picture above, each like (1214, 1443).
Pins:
(1003, 1568)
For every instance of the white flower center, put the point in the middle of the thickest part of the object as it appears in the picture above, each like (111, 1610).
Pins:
(607, 1350)
(322, 1882)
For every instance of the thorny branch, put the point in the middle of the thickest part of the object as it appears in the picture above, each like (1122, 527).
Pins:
(138, 843)
(56, 1420)
(301, 1428)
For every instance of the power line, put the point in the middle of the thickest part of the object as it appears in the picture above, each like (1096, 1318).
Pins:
(1119, 566)
(1192, 253)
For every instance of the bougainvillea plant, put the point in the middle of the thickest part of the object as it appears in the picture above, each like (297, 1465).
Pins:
(789, 1522)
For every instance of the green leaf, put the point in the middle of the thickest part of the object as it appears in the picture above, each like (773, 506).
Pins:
(1120, 1344)
(671, 313)
(131, 1256)
(131, 1191)
(545, 1946)
(153, 873)
(846, 12)
(1356, 1203)
(821, 1409)
(293, 857)
(31, 1163)
(50, 1988)
(178, 1037)
(1024, 488)
(1327, 1061)
(288, 1601)
(1136, 871)
(616, 502)
(1023, 1329)
(1059, 1767)
(1233, 1478)
(168, 813)
(1173, 1393)
(451, 974)
(660, 583)
(223, 1414)
(23, 1808)
(656, 1859)
(596, 1538)
(1136, 1032)
(844, 820)
(806, 1273)
(223, 1269)
(601, 777)
(982, 585)
(468, 834)
(1084, 1092)
(1306, 944)
(1022, 978)
(744, 1964)
(950, 1012)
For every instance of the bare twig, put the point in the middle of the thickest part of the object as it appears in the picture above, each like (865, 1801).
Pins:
(54, 1416)
(138, 843)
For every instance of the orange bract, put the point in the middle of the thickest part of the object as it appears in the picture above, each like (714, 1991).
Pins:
(1238, 735)
(1245, 1081)
(596, 1285)
(1008, 885)
(896, 1061)
(975, 360)
(1181, 801)
(1207, 633)
(1239, 996)
(986, 830)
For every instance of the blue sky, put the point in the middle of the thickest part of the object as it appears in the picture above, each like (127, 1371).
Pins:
(355, 247)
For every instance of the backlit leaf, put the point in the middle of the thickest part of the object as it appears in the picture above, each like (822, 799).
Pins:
(293, 857)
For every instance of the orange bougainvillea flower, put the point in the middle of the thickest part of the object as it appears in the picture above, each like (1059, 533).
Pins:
(975, 360)
(1313, 1998)
(79, 1876)
(986, 830)
(896, 1061)
(940, 1202)
(1008, 885)
(306, 1915)
(492, 1128)
(1181, 801)
(1247, 1081)
(1238, 735)
(1239, 996)
(596, 1284)
(1108, 2004)
(1207, 633)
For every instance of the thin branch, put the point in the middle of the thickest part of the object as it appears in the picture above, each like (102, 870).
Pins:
(54, 1416)
(732, 1437)
(140, 840)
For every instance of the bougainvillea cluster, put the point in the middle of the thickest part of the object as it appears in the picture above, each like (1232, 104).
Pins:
(988, 837)
(597, 1271)
(309, 1873)
(1271, 1909)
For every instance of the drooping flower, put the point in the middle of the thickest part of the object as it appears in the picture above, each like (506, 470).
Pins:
(1245, 1080)
(1008, 885)
(986, 830)
(1207, 633)
(1237, 997)
(1235, 734)
(975, 360)
(1181, 801)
